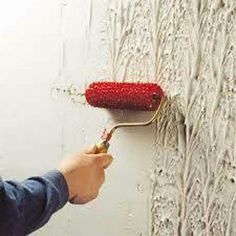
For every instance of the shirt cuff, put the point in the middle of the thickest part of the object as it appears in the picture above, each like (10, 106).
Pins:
(57, 179)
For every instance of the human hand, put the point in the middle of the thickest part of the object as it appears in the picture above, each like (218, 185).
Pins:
(84, 174)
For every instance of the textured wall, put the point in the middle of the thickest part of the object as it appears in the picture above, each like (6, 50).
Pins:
(189, 48)
(174, 178)
(37, 127)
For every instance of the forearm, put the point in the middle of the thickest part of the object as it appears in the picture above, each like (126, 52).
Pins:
(27, 206)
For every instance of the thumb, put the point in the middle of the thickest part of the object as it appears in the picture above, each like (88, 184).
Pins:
(91, 150)
(105, 160)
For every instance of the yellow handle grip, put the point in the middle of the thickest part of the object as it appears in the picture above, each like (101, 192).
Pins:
(102, 147)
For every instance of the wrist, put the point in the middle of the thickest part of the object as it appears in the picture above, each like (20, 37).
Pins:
(69, 182)
(58, 182)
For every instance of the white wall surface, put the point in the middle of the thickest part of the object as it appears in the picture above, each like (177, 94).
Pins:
(188, 47)
(37, 129)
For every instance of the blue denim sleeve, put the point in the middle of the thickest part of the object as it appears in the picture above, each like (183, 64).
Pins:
(26, 206)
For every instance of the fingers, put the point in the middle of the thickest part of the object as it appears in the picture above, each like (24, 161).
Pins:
(84, 199)
(94, 149)
(104, 160)
(102, 177)
(91, 150)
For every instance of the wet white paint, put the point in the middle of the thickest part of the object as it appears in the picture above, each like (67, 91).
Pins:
(174, 178)
(38, 126)
(204, 174)
(187, 47)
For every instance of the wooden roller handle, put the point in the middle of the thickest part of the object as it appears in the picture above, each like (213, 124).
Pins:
(102, 147)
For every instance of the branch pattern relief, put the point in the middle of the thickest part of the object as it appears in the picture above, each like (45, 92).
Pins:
(188, 47)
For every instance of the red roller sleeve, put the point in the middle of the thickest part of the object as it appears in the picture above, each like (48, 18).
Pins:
(133, 96)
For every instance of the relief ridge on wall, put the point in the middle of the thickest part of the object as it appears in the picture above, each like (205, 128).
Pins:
(188, 47)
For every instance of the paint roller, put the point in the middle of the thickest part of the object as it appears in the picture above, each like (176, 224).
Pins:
(131, 96)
